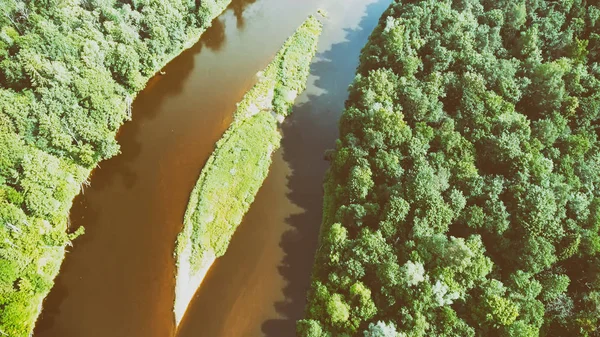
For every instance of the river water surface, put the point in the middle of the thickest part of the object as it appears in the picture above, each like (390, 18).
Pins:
(118, 279)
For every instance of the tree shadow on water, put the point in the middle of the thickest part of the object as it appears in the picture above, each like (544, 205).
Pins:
(238, 7)
(309, 132)
(214, 37)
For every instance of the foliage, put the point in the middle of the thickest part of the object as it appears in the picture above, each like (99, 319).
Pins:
(69, 70)
(462, 193)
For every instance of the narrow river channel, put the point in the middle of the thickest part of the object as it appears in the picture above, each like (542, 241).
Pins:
(118, 279)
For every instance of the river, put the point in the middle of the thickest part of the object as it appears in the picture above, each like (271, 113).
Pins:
(118, 279)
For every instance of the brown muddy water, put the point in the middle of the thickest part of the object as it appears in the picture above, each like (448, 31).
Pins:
(118, 279)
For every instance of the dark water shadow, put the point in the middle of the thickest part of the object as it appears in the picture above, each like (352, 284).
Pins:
(238, 8)
(309, 132)
(214, 37)
(78, 215)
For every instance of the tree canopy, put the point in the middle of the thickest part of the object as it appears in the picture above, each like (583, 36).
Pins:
(462, 195)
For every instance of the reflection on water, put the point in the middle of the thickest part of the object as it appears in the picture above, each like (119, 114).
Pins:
(238, 8)
(214, 37)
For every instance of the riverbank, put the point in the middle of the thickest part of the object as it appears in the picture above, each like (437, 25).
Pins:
(48, 150)
(234, 173)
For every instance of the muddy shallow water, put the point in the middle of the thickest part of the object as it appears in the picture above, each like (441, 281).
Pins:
(118, 279)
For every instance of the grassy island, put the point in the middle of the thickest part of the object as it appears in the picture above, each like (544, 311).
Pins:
(240, 162)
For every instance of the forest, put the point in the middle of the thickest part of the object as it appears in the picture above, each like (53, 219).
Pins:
(69, 72)
(462, 197)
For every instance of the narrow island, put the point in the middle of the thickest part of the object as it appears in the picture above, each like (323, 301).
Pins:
(240, 163)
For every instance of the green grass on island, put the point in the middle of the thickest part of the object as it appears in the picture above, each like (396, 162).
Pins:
(240, 162)
(69, 71)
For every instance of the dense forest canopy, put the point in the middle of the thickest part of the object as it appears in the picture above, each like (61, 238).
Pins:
(462, 198)
(69, 70)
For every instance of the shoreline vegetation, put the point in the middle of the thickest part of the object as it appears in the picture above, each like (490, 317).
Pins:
(240, 163)
(69, 74)
(462, 197)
